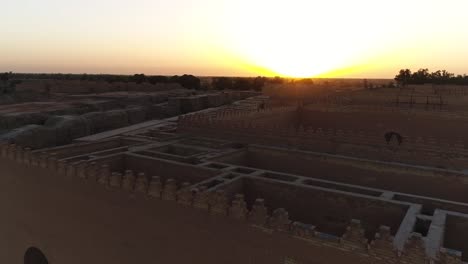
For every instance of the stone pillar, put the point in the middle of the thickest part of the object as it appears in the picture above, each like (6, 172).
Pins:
(279, 220)
(259, 214)
(184, 195)
(43, 158)
(155, 187)
(104, 175)
(92, 172)
(61, 167)
(303, 230)
(415, 249)
(52, 162)
(34, 159)
(19, 154)
(4, 149)
(11, 152)
(238, 208)
(115, 180)
(354, 237)
(141, 183)
(170, 190)
(80, 169)
(201, 198)
(128, 182)
(219, 203)
(382, 245)
(71, 170)
(27, 156)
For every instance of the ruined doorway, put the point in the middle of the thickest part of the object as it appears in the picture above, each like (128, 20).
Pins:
(34, 256)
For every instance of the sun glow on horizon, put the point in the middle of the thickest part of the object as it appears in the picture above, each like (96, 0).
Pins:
(294, 38)
(301, 38)
(291, 40)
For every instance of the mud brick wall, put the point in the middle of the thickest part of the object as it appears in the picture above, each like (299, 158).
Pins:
(412, 125)
(456, 232)
(79, 149)
(329, 211)
(180, 172)
(449, 187)
(88, 148)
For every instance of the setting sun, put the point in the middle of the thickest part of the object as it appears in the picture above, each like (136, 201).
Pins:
(315, 38)
(295, 38)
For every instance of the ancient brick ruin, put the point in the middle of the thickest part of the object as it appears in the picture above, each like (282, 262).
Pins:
(328, 189)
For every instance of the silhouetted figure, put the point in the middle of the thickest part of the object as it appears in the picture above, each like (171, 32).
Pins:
(391, 134)
(34, 256)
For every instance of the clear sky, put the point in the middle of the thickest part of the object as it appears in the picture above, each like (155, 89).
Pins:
(339, 38)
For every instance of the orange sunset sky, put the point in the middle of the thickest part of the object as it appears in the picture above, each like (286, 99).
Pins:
(333, 38)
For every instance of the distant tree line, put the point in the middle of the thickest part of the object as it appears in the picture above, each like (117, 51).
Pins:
(423, 76)
(238, 83)
(187, 81)
(7, 83)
